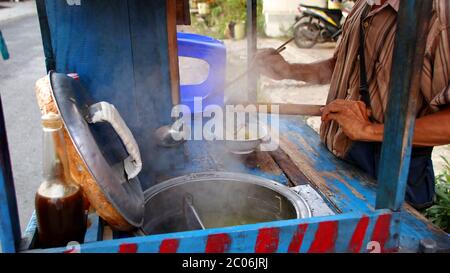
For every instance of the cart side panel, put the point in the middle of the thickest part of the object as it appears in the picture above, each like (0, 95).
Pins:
(120, 50)
(9, 216)
(338, 233)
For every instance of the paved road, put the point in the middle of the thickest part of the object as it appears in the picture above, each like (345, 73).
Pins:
(17, 78)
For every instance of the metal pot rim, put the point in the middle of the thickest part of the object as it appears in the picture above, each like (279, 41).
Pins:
(301, 207)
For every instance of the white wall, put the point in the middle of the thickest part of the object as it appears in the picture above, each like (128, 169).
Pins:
(280, 14)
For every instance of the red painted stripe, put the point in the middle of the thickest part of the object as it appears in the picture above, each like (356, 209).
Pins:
(325, 238)
(128, 248)
(218, 243)
(169, 246)
(267, 240)
(358, 235)
(381, 230)
(297, 239)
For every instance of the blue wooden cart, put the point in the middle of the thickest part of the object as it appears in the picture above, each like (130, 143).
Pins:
(106, 42)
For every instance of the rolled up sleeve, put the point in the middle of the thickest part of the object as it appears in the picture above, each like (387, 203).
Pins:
(436, 73)
(442, 99)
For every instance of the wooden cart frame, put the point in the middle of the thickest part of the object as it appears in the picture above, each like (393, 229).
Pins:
(369, 216)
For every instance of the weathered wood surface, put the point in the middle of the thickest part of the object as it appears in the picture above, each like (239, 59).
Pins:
(9, 216)
(347, 191)
(94, 232)
(295, 176)
(410, 42)
(346, 187)
(122, 56)
(172, 20)
(203, 156)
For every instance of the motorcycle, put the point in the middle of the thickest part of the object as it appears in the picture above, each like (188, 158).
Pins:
(319, 25)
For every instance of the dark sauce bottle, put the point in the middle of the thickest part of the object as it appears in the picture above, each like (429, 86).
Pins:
(59, 202)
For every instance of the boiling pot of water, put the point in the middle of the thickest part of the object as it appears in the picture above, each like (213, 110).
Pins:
(218, 199)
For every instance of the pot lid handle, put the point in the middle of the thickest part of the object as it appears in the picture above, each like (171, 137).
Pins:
(106, 112)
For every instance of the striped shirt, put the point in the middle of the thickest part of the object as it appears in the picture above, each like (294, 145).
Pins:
(380, 28)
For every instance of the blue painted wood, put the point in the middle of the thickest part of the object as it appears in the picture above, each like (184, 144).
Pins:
(9, 217)
(346, 189)
(29, 236)
(94, 231)
(120, 50)
(409, 49)
(201, 156)
(414, 228)
(45, 34)
(243, 239)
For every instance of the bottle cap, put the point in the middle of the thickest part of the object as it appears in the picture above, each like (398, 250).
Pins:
(51, 121)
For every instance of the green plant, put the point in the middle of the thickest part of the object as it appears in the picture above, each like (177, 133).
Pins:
(439, 213)
(222, 13)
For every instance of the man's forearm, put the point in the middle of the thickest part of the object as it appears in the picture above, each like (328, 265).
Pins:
(431, 130)
(316, 73)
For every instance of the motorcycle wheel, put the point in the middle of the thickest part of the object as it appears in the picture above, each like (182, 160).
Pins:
(306, 34)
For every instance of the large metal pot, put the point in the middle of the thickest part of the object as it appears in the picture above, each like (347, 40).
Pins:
(218, 199)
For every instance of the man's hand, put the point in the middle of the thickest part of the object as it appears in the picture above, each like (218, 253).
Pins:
(271, 64)
(353, 117)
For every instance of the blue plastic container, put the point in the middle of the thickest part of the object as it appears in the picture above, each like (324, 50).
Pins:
(214, 53)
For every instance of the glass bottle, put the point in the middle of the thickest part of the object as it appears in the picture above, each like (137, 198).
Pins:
(59, 202)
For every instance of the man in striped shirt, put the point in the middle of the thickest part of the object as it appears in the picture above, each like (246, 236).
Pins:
(346, 129)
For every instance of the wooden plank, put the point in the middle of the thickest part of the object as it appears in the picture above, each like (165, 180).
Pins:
(414, 227)
(409, 49)
(252, 80)
(337, 233)
(295, 109)
(296, 177)
(183, 12)
(289, 109)
(346, 188)
(342, 186)
(50, 63)
(172, 20)
(9, 216)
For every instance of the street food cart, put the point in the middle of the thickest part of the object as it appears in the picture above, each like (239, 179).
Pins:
(125, 53)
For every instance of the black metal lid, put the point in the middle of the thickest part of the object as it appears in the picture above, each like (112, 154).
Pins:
(100, 148)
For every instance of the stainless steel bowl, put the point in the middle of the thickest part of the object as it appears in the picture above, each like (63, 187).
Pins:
(247, 146)
(218, 199)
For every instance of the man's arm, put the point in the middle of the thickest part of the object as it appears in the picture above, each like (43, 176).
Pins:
(315, 73)
(430, 130)
(271, 64)
(352, 116)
